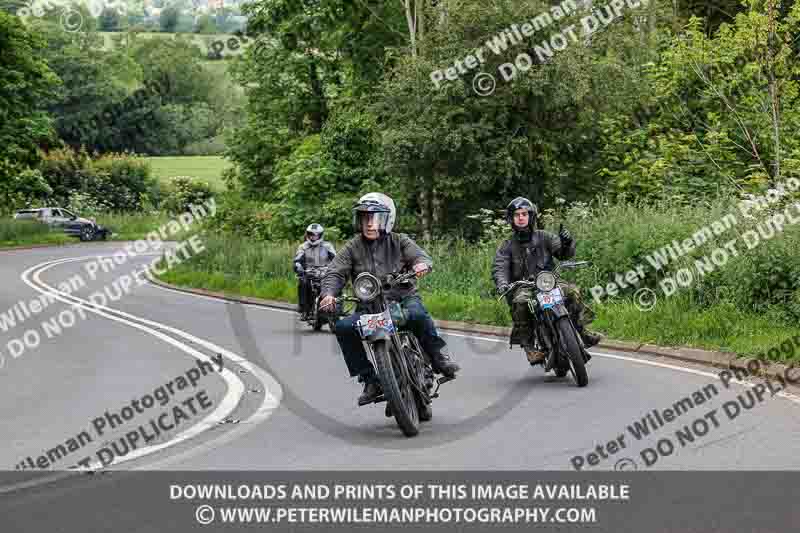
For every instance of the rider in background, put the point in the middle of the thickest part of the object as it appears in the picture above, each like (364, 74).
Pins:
(313, 253)
(522, 257)
(375, 249)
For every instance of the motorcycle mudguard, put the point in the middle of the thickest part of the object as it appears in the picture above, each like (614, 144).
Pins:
(378, 336)
(557, 311)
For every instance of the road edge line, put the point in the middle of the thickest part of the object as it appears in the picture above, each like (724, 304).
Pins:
(715, 359)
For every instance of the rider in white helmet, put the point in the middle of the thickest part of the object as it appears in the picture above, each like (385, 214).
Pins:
(314, 252)
(377, 250)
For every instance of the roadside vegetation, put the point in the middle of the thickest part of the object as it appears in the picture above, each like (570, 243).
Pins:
(639, 135)
(22, 233)
(208, 168)
(741, 307)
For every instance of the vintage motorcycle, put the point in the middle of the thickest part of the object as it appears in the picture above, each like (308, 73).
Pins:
(403, 367)
(555, 332)
(316, 318)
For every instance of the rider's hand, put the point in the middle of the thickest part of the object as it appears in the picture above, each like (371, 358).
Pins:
(421, 269)
(502, 289)
(327, 303)
(565, 235)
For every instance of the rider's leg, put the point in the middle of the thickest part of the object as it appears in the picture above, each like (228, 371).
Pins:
(421, 324)
(581, 314)
(309, 297)
(358, 364)
(522, 332)
(301, 292)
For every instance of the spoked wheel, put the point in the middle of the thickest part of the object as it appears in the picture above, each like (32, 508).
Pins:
(398, 391)
(569, 338)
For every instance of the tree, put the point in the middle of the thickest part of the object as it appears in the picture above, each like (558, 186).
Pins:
(27, 84)
(109, 20)
(94, 79)
(205, 25)
(307, 56)
(169, 19)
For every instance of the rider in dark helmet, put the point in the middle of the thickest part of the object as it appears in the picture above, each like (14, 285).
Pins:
(313, 253)
(528, 251)
(377, 250)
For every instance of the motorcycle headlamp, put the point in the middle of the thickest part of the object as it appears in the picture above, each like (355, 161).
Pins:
(366, 287)
(546, 281)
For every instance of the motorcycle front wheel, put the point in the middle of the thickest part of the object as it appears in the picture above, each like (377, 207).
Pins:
(572, 347)
(399, 393)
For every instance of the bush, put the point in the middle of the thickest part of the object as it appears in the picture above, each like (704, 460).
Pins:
(236, 215)
(118, 182)
(21, 187)
(185, 191)
(63, 170)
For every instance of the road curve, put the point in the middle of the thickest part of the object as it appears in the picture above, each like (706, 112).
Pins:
(283, 400)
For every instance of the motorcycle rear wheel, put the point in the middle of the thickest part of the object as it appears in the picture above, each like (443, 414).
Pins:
(401, 398)
(571, 345)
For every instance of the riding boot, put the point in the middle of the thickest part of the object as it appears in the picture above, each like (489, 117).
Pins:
(372, 388)
(534, 354)
(589, 339)
(443, 364)
(371, 391)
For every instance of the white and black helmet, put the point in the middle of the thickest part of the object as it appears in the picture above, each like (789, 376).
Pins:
(381, 205)
(314, 230)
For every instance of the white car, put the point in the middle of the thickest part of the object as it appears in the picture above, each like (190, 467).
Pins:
(56, 217)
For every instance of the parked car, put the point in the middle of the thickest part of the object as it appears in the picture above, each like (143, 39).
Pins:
(86, 229)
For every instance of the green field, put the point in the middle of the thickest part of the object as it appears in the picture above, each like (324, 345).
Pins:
(204, 42)
(206, 167)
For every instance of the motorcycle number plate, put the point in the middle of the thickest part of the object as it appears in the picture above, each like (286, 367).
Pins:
(551, 298)
(371, 324)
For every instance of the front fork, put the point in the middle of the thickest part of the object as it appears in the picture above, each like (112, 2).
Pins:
(546, 332)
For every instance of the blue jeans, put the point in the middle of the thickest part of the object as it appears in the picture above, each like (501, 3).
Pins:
(419, 322)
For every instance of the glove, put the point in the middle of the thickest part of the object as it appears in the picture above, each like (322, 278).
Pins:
(299, 270)
(503, 288)
(565, 235)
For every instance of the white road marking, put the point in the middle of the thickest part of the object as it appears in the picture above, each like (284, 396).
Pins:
(787, 395)
(235, 385)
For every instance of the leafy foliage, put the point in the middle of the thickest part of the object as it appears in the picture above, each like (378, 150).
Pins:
(27, 83)
(185, 191)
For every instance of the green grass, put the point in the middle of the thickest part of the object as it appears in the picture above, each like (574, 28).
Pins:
(208, 168)
(126, 227)
(679, 322)
(131, 227)
(24, 233)
(458, 290)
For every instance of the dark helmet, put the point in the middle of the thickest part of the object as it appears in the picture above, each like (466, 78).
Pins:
(314, 230)
(522, 203)
(379, 203)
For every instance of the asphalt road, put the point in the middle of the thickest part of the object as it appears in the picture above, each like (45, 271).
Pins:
(499, 414)
(283, 400)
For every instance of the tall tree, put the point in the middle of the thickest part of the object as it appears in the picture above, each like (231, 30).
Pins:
(27, 84)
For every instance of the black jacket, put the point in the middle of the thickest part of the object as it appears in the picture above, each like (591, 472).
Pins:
(516, 260)
(390, 253)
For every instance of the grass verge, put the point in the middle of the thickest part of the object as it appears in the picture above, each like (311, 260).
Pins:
(263, 270)
(15, 233)
(131, 227)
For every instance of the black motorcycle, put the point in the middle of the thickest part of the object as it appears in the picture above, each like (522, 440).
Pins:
(555, 332)
(316, 318)
(403, 367)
